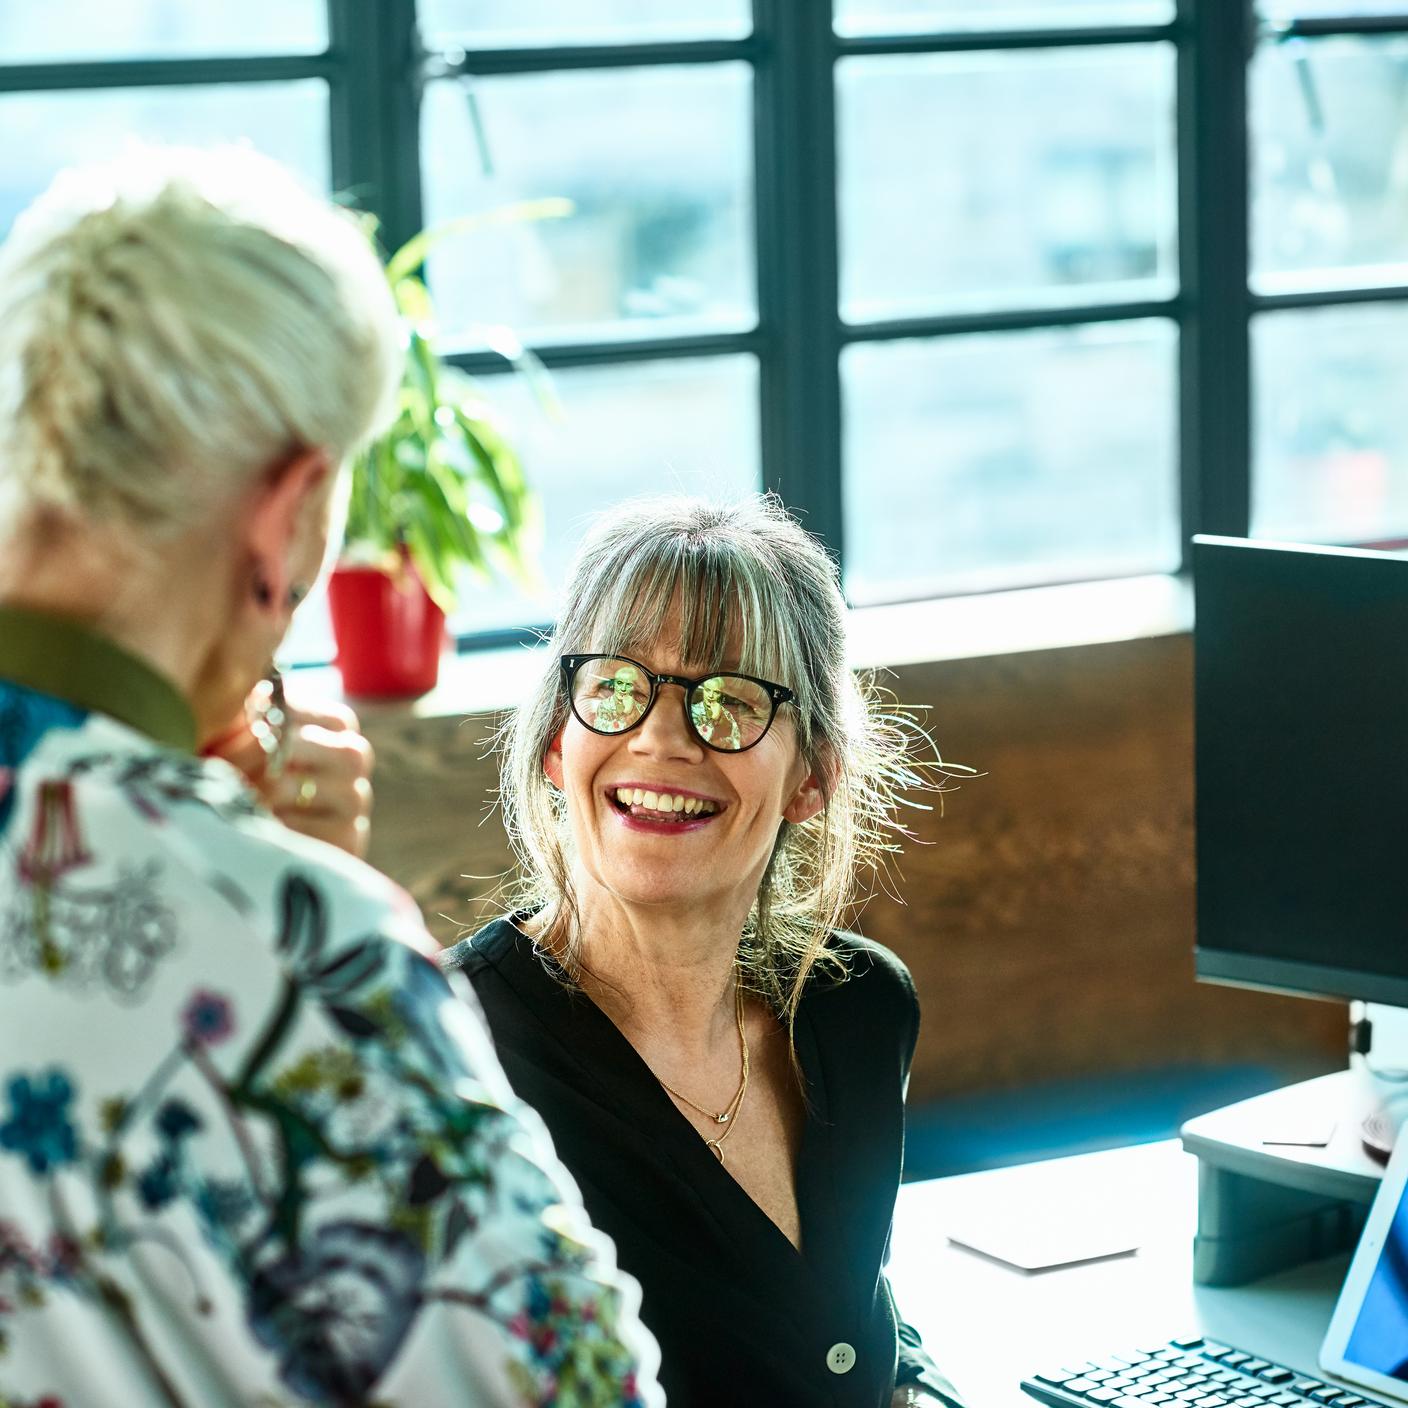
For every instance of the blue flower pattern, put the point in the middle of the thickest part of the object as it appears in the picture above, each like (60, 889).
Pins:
(39, 1128)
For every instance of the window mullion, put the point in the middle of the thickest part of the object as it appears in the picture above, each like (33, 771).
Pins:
(798, 291)
(1214, 255)
(375, 119)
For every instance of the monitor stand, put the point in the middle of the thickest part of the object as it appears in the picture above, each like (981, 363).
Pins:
(1285, 1177)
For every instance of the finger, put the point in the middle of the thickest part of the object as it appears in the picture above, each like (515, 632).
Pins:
(327, 713)
(328, 753)
(321, 793)
(349, 833)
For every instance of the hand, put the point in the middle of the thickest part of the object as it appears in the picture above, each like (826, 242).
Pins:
(323, 786)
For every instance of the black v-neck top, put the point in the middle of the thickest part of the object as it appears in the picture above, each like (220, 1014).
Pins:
(741, 1316)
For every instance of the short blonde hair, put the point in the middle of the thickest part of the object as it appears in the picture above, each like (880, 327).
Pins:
(741, 577)
(173, 322)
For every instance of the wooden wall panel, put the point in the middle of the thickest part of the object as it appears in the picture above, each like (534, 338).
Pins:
(1048, 913)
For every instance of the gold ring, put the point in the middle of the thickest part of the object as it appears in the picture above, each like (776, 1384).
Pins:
(307, 790)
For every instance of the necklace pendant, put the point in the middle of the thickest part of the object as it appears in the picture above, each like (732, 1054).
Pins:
(714, 1146)
(722, 1119)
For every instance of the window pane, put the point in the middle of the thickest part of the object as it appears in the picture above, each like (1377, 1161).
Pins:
(936, 16)
(505, 23)
(47, 131)
(1331, 448)
(1283, 11)
(1006, 179)
(658, 164)
(1330, 186)
(1009, 459)
(674, 427)
(158, 29)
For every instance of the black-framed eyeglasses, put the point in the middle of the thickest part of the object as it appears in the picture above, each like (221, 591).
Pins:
(729, 713)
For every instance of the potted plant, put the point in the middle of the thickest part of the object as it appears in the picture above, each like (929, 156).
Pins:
(439, 495)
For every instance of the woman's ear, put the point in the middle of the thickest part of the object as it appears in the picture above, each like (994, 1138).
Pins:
(805, 802)
(810, 795)
(552, 760)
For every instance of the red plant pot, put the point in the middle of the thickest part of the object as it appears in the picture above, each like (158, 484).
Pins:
(389, 632)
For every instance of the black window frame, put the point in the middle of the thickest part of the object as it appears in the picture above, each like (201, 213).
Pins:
(377, 67)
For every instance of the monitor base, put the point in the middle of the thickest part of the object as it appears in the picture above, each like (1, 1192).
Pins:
(1285, 1177)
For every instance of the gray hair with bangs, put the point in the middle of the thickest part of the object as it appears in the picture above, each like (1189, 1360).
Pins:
(742, 577)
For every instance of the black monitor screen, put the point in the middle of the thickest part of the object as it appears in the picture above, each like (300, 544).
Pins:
(1301, 710)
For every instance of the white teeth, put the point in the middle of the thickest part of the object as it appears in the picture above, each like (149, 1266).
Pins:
(665, 802)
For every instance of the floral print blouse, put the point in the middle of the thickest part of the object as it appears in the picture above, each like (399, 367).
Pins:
(253, 1150)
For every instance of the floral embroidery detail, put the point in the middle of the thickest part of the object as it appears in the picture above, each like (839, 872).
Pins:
(208, 1018)
(38, 1127)
(337, 1310)
(176, 1119)
(113, 935)
(55, 846)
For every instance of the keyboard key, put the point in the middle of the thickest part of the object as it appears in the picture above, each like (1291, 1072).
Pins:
(1079, 1385)
(1097, 1376)
(1190, 1361)
(1056, 1377)
(1225, 1376)
(1124, 1401)
(1266, 1391)
(1275, 1374)
(1306, 1385)
(1327, 1394)
(1250, 1402)
(1191, 1342)
(1287, 1400)
(1348, 1400)
(1236, 1359)
(1211, 1401)
(1103, 1395)
(1156, 1398)
(1118, 1382)
(1255, 1366)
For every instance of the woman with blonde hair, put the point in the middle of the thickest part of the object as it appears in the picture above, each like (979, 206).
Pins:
(249, 1149)
(722, 1070)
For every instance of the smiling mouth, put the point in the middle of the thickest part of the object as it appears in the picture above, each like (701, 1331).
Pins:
(661, 806)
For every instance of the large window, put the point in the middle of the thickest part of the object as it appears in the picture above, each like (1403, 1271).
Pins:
(993, 292)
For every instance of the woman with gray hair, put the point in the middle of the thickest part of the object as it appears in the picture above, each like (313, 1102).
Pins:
(691, 790)
(250, 1150)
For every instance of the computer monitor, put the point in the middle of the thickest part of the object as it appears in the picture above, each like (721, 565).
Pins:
(1301, 717)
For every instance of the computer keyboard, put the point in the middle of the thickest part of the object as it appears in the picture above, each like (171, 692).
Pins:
(1186, 1373)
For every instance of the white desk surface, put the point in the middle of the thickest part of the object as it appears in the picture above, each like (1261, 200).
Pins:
(987, 1325)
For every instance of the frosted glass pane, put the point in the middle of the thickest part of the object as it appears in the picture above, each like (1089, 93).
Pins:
(32, 31)
(1330, 185)
(658, 166)
(1001, 460)
(976, 181)
(854, 17)
(44, 132)
(1331, 438)
(511, 23)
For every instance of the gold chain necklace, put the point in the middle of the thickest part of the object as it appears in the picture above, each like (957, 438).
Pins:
(729, 1114)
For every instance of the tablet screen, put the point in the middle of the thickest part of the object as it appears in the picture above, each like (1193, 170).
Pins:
(1367, 1342)
(1378, 1340)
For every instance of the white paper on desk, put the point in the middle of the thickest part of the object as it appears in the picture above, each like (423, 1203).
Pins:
(1041, 1239)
